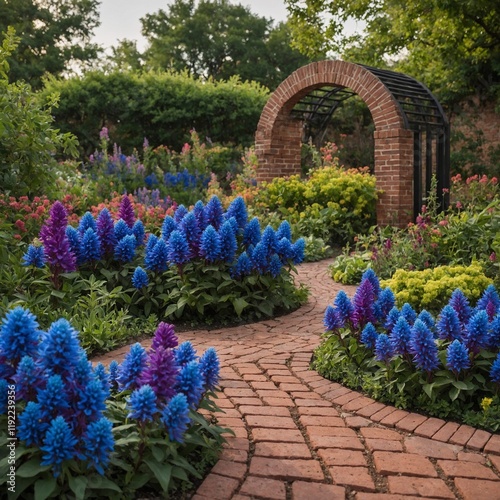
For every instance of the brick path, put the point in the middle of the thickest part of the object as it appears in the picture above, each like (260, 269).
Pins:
(301, 437)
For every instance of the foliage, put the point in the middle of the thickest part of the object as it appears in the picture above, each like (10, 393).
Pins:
(348, 269)
(163, 106)
(90, 431)
(445, 366)
(28, 140)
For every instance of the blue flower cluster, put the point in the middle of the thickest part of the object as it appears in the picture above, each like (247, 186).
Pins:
(388, 331)
(186, 180)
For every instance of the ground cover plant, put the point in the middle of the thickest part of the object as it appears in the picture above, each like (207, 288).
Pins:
(446, 365)
(89, 431)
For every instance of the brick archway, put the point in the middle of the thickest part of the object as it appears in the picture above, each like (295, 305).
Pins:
(278, 136)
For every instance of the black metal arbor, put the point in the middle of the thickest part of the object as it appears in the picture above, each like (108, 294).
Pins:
(422, 114)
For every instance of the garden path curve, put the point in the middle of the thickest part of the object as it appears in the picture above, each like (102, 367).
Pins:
(300, 436)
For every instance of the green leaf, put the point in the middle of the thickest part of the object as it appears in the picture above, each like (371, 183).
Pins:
(171, 309)
(58, 294)
(428, 389)
(31, 468)
(454, 392)
(239, 304)
(44, 488)
(162, 472)
(460, 385)
(97, 482)
(78, 486)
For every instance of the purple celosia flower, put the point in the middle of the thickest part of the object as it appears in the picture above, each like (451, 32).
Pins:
(213, 212)
(31, 428)
(140, 278)
(139, 232)
(56, 244)
(27, 378)
(19, 335)
(132, 367)
(121, 230)
(87, 221)
(165, 337)
(457, 357)
(495, 370)
(210, 244)
(494, 333)
(176, 417)
(268, 241)
(199, 213)
(104, 134)
(285, 250)
(369, 336)
(190, 382)
(392, 319)
(125, 249)
(177, 248)
(156, 258)
(106, 232)
(98, 444)
(91, 400)
(408, 314)
(383, 348)
(363, 301)
(284, 231)
(476, 332)
(228, 242)
(238, 209)
(58, 445)
(142, 404)
(126, 211)
(53, 399)
(370, 275)
(298, 249)
(489, 302)
(185, 353)
(275, 266)
(460, 304)
(90, 246)
(448, 325)
(331, 319)
(427, 318)
(35, 256)
(343, 307)
(243, 266)
(423, 347)
(251, 234)
(210, 368)
(161, 372)
(189, 226)
(401, 336)
(180, 213)
(385, 303)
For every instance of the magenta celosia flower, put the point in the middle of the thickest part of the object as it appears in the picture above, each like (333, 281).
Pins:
(126, 211)
(165, 337)
(161, 373)
(363, 304)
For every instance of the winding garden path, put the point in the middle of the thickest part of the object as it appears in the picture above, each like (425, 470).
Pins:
(299, 436)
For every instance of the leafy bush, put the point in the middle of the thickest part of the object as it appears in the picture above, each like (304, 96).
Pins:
(445, 366)
(348, 269)
(85, 430)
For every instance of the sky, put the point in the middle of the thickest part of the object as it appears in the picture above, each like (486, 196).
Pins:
(120, 19)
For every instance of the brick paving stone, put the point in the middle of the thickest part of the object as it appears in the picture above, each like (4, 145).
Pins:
(285, 435)
(425, 487)
(264, 385)
(379, 433)
(302, 490)
(271, 393)
(493, 445)
(254, 377)
(445, 433)
(230, 469)
(281, 372)
(230, 422)
(264, 410)
(218, 487)
(346, 443)
(233, 384)
(234, 455)
(271, 422)
(286, 469)
(393, 464)
(383, 445)
(286, 379)
(392, 419)
(321, 382)
(282, 450)
(336, 456)
(337, 392)
(429, 427)
(317, 430)
(324, 389)
(304, 394)
(478, 440)
(462, 435)
(321, 420)
(371, 409)
(430, 448)
(471, 489)
(249, 369)
(384, 496)
(247, 401)
(224, 403)
(239, 393)
(292, 387)
(284, 402)
(471, 457)
(382, 413)
(312, 402)
(356, 422)
(357, 404)
(319, 411)
(454, 468)
(237, 443)
(358, 478)
(495, 461)
(271, 489)
(410, 422)
(239, 432)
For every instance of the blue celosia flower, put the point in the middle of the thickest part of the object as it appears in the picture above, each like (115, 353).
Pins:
(284, 231)
(494, 333)
(176, 417)
(190, 383)
(180, 213)
(370, 275)
(165, 337)
(369, 336)
(228, 242)
(167, 227)
(177, 248)
(113, 373)
(210, 244)
(58, 445)
(90, 246)
(59, 348)
(161, 372)
(87, 221)
(121, 230)
(401, 336)
(31, 428)
(102, 375)
(82, 372)
(151, 243)
(213, 212)
(251, 234)
(344, 308)
(383, 348)
(98, 444)
(91, 399)
(74, 239)
(106, 232)
(298, 249)
(385, 303)
(285, 250)
(408, 313)
(125, 249)
(423, 347)
(35, 256)
(243, 266)
(331, 319)
(126, 212)
(448, 325)
(260, 258)
(132, 367)
(460, 304)
(476, 332)
(210, 368)
(156, 258)
(392, 319)
(199, 213)
(140, 278)
(489, 302)
(363, 311)
(19, 334)
(142, 404)
(457, 357)
(237, 209)
(53, 399)
(268, 241)
(185, 353)
(27, 378)
(495, 370)
(427, 318)
(189, 226)
(139, 232)
(275, 266)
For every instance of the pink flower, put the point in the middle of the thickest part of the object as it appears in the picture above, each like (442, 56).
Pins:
(20, 225)
(458, 205)
(443, 222)
(493, 257)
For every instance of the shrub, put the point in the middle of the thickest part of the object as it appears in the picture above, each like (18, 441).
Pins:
(85, 430)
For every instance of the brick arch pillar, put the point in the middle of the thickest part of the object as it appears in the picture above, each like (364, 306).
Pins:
(278, 135)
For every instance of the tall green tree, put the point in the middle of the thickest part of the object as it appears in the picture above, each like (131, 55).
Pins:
(54, 36)
(451, 45)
